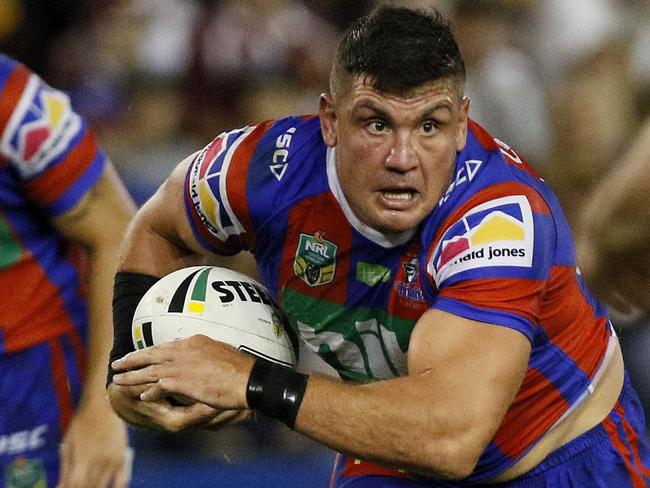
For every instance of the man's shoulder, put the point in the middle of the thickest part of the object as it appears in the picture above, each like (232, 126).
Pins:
(495, 201)
(272, 149)
(489, 168)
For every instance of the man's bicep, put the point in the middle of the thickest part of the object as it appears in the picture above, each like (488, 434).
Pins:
(160, 238)
(478, 367)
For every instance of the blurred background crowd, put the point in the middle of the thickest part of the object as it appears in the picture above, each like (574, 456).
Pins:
(565, 83)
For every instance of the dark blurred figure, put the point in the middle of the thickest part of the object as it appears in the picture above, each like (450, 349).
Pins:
(29, 27)
(259, 52)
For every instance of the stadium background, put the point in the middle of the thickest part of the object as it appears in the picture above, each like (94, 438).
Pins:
(566, 83)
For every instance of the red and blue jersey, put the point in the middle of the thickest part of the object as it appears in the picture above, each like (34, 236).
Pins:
(496, 249)
(49, 159)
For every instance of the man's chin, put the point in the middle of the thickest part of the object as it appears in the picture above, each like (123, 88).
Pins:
(396, 223)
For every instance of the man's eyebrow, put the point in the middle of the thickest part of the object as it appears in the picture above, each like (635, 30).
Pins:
(425, 114)
(371, 105)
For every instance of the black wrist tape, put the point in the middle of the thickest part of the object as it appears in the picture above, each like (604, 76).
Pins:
(276, 391)
(128, 290)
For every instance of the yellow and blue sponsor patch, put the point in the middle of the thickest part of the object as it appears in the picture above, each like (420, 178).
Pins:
(499, 232)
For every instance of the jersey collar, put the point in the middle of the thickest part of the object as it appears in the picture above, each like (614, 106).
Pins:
(384, 240)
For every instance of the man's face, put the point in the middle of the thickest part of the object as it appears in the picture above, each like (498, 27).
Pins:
(395, 153)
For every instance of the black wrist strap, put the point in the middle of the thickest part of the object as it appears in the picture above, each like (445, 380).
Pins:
(276, 391)
(128, 290)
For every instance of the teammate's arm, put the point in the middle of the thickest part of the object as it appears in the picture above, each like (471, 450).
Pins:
(94, 448)
(435, 421)
(614, 232)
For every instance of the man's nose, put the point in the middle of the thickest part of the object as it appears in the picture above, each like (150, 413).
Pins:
(402, 156)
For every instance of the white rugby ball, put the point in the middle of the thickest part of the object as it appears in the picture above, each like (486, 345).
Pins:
(222, 304)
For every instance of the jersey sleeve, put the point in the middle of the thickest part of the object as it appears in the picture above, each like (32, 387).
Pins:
(491, 258)
(52, 150)
(216, 193)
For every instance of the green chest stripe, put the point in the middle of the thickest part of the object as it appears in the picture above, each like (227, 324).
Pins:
(361, 343)
(10, 249)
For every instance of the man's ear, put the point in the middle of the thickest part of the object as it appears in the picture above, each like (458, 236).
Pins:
(327, 119)
(463, 117)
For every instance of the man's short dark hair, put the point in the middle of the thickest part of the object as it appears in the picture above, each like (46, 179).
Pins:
(400, 49)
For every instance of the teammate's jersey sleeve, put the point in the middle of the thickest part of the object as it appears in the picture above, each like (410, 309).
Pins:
(48, 145)
(49, 160)
(490, 259)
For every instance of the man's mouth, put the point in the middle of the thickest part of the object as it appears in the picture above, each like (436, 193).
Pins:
(398, 195)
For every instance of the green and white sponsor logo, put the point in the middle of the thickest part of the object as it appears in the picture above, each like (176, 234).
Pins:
(10, 250)
(362, 344)
(25, 473)
(372, 274)
(315, 261)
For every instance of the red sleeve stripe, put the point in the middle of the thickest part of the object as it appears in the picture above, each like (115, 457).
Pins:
(203, 235)
(211, 155)
(237, 177)
(486, 140)
(489, 143)
(55, 181)
(11, 94)
(510, 295)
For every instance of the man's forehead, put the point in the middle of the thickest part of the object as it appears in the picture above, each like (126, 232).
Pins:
(441, 91)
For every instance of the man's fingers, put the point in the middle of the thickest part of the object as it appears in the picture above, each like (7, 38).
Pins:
(142, 376)
(138, 359)
(152, 394)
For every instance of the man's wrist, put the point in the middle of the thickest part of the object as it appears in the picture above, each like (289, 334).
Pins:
(128, 290)
(276, 391)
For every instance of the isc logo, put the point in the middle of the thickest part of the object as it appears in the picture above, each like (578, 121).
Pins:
(23, 441)
(281, 153)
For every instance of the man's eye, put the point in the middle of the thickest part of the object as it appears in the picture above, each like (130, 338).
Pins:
(377, 126)
(428, 127)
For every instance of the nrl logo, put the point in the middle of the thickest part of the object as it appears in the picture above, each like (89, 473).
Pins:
(315, 261)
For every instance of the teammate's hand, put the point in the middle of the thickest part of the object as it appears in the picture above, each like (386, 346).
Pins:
(94, 451)
(198, 368)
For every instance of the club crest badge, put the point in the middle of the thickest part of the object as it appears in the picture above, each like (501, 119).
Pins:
(315, 261)
(410, 288)
(25, 473)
